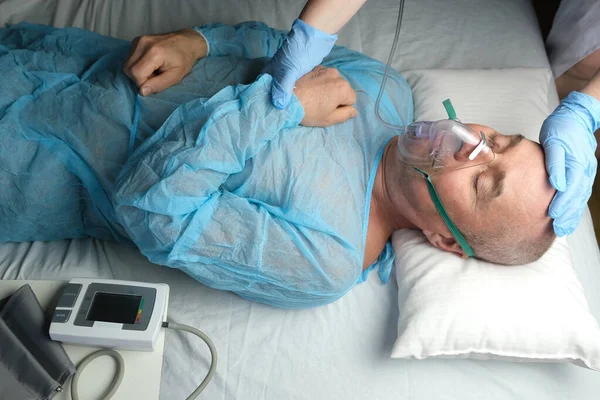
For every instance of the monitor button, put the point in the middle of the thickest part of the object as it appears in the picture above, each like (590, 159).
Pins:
(61, 316)
(69, 295)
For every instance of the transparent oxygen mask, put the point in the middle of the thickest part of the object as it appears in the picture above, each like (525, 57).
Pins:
(440, 146)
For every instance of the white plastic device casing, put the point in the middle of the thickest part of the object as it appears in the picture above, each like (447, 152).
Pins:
(108, 334)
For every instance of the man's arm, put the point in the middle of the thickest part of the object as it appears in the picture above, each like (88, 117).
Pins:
(171, 200)
(248, 39)
(157, 62)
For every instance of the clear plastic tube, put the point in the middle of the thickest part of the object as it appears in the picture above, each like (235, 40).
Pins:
(387, 69)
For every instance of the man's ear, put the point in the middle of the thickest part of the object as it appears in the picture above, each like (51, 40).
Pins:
(446, 243)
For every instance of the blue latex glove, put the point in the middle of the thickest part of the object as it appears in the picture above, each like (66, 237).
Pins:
(568, 139)
(303, 49)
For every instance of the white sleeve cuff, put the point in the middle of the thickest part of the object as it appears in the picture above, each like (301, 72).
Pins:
(205, 39)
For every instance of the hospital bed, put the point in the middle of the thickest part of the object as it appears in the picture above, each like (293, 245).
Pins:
(341, 351)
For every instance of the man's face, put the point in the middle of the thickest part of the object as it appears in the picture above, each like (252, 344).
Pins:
(512, 189)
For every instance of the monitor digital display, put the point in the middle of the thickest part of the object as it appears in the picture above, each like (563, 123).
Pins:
(113, 307)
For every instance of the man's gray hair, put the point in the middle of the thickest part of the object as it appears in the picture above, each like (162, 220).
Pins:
(511, 246)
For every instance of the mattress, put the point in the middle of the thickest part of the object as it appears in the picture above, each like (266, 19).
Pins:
(340, 351)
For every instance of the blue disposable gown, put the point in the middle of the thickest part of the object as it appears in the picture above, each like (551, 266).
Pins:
(207, 177)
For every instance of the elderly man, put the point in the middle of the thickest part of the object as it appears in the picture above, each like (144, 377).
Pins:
(210, 178)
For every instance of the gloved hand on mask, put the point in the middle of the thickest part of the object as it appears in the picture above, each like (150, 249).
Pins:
(567, 136)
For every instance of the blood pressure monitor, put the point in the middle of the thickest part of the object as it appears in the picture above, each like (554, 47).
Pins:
(110, 313)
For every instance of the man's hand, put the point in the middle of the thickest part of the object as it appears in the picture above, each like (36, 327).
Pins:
(326, 97)
(157, 62)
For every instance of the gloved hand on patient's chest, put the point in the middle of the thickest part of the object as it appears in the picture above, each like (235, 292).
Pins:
(567, 136)
(304, 48)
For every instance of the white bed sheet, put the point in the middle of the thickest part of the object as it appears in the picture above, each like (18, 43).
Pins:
(435, 33)
(340, 351)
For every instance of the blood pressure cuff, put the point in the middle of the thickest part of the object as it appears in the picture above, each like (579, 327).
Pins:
(32, 366)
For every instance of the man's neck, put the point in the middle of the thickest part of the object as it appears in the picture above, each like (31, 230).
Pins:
(384, 197)
(384, 215)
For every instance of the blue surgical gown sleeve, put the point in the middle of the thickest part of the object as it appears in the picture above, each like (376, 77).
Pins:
(365, 76)
(171, 200)
(247, 40)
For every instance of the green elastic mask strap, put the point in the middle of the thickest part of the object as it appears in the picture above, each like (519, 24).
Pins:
(442, 211)
(449, 109)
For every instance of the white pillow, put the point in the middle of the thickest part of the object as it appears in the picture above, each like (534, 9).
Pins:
(451, 307)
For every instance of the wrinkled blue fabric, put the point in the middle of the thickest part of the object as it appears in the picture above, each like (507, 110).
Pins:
(207, 176)
(65, 118)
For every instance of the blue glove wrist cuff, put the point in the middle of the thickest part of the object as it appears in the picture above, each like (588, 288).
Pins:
(585, 107)
(311, 33)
